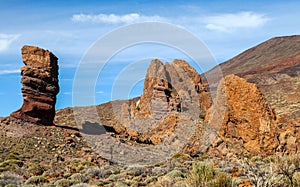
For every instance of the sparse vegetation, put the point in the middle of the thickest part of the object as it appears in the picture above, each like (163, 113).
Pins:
(47, 159)
(37, 180)
(276, 171)
(288, 167)
(205, 175)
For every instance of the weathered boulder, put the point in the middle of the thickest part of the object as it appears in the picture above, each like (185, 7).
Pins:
(248, 123)
(40, 86)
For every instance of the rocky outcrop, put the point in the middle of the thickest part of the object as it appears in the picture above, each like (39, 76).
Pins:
(175, 87)
(159, 97)
(173, 94)
(248, 123)
(40, 86)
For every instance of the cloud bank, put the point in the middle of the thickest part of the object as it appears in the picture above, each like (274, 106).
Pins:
(113, 18)
(6, 40)
(232, 22)
(4, 72)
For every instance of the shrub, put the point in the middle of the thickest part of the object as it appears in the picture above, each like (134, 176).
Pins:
(9, 164)
(12, 156)
(80, 185)
(296, 179)
(259, 175)
(63, 183)
(279, 171)
(36, 180)
(8, 178)
(175, 174)
(78, 177)
(95, 172)
(204, 175)
(35, 169)
(288, 166)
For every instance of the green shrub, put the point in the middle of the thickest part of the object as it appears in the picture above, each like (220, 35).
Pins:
(49, 185)
(204, 175)
(296, 179)
(38, 180)
(12, 156)
(9, 164)
(35, 169)
(63, 183)
(175, 174)
(180, 156)
(78, 177)
(256, 159)
(269, 159)
(80, 185)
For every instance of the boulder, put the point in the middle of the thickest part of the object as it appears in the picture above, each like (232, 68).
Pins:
(248, 121)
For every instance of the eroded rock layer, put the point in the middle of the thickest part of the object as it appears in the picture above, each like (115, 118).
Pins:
(40, 86)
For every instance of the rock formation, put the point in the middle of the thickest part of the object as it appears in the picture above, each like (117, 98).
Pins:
(248, 122)
(40, 86)
(174, 87)
(171, 91)
(159, 97)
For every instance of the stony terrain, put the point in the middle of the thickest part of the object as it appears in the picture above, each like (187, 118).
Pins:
(34, 155)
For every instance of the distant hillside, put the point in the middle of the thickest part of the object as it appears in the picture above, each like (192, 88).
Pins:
(274, 66)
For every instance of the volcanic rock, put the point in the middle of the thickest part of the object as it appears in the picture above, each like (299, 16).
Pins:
(248, 122)
(173, 94)
(175, 87)
(159, 97)
(40, 86)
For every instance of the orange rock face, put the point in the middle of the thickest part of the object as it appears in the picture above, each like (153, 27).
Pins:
(40, 86)
(172, 87)
(248, 121)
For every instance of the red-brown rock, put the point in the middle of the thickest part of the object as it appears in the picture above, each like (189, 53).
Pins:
(248, 122)
(40, 86)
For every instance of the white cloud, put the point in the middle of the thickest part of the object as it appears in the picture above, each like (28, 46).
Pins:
(114, 19)
(232, 22)
(4, 72)
(6, 40)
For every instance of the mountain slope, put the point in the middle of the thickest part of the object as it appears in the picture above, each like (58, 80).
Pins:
(274, 66)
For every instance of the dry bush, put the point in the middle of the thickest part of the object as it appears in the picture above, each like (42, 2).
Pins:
(288, 167)
(282, 171)
(205, 175)
(261, 174)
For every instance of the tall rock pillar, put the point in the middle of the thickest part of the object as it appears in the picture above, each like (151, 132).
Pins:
(40, 86)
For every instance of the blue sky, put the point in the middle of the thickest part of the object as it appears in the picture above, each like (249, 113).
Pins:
(70, 28)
